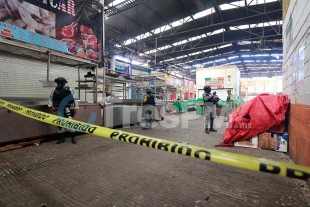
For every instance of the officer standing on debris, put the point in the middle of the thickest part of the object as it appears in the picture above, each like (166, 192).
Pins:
(208, 105)
(229, 102)
(149, 104)
(215, 100)
(60, 101)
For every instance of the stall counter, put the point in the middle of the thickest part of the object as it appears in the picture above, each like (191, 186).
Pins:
(15, 127)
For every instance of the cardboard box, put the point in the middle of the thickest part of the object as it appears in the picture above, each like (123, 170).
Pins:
(281, 142)
(251, 143)
(266, 141)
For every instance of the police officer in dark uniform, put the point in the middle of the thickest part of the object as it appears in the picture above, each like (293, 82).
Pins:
(208, 104)
(149, 104)
(60, 101)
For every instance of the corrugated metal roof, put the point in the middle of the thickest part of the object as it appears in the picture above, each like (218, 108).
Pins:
(150, 15)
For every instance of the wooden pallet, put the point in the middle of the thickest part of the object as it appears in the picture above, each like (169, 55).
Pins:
(19, 145)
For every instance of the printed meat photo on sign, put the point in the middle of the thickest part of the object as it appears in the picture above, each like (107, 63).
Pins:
(81, 53)
(78, 24)
(81, 36)
(6, 32)
(92, 55)
(69, 31)
(83, 30)
(22, 14)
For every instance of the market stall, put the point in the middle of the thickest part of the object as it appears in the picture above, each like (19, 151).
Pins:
(32, 84)
(39, 43)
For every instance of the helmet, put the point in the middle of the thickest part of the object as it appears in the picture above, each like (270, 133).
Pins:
(207, 88)
(61, 80)
(149, 90)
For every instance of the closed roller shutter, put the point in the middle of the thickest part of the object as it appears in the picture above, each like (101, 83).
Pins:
(19, 77)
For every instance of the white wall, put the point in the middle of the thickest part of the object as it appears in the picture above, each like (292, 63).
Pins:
(297, 44)
(294, 41)
(233, 71)
(256, 86)
(19, 77)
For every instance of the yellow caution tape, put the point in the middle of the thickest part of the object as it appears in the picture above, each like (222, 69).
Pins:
(226, 158)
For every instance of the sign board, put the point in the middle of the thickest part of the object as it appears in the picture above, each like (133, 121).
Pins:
(215, 83)
(122, 70)
(69, 26)
(138, 72)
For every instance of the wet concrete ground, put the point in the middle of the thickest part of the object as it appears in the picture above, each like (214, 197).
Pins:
(103, 172)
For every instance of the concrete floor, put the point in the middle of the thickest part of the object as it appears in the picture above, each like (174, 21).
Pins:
(104, 172)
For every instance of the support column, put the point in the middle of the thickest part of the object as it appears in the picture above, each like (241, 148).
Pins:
(113, 63)
(113, 66)
(96, 84)
(48, 65)
(79, 83)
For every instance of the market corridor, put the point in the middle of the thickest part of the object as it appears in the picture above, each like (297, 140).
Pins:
(103, 172)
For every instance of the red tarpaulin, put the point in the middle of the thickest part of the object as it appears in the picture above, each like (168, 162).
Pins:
(254, 117)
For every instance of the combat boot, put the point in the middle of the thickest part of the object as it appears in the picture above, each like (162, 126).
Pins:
(146, 126)
(207, 130)
(73, 139)
(211, 126)
(61, 139)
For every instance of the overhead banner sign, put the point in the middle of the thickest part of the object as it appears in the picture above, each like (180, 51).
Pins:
(68, 26)
(122, 70)
(139, 72)
(215, 83)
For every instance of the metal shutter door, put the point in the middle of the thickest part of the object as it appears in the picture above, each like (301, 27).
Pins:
(19, 77)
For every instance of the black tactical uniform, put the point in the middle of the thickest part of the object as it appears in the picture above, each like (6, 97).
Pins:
(149, 104)
(208, 104)
(61, 100)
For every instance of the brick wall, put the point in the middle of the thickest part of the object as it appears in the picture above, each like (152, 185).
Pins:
(299, 131)
(296, 77)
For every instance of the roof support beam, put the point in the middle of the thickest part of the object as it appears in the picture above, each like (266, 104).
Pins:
(195, 44)
(219, 13)
(187, 11)
(208, 26)
(161, 18)
(222, 43)
(141, 26)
